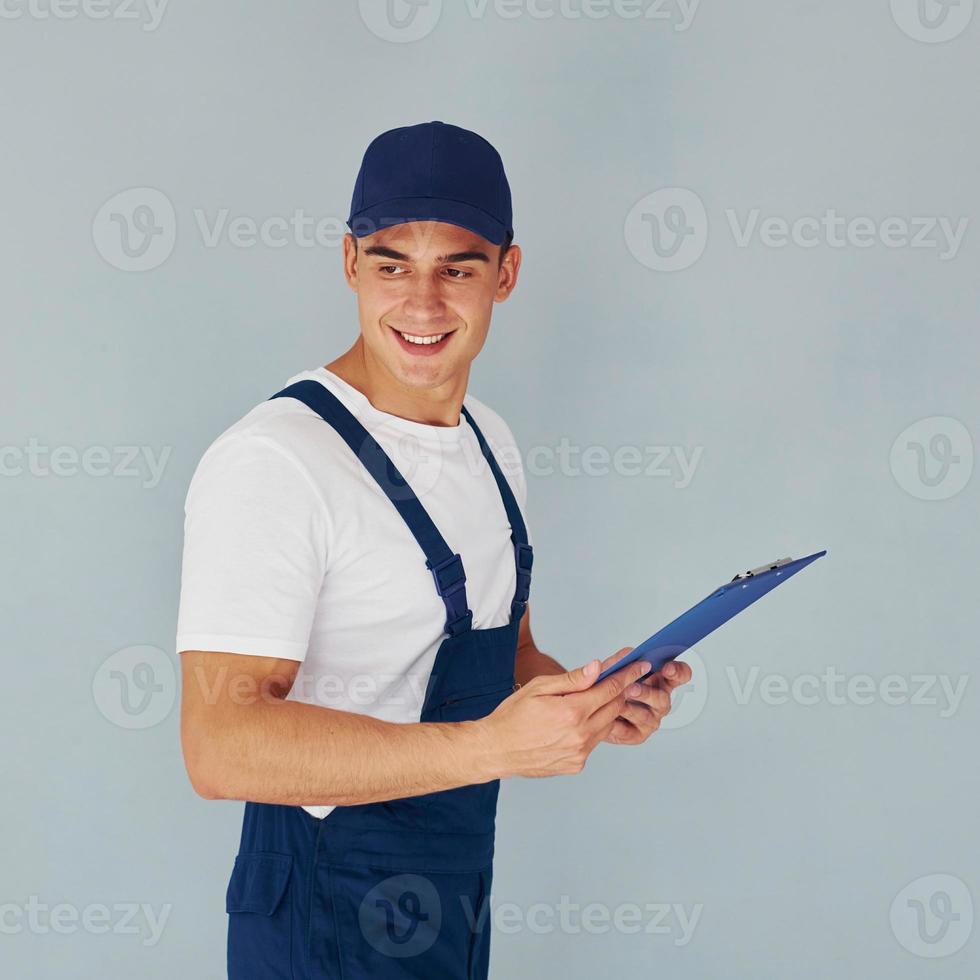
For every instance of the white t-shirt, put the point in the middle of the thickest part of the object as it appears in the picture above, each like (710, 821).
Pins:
(292, 550)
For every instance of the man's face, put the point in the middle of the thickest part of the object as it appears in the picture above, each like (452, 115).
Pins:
(425, 293)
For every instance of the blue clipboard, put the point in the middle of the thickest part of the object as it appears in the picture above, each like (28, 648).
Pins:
(710, 613)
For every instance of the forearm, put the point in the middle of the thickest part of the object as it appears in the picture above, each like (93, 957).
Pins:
(288, 752)
(531, 662)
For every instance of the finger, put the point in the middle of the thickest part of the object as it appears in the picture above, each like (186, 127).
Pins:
(605, 714)
(652, 697)
(579, 679)
(673, 674)
(623, 732)
(641, 717)
(615, 657)
(613, 687)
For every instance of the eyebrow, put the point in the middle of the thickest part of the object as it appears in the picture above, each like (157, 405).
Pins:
(474, 255)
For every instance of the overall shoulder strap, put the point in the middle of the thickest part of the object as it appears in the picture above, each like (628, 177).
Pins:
(523, 553)
(446, 567)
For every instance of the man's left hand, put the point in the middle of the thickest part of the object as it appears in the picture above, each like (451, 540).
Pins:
(648, 702)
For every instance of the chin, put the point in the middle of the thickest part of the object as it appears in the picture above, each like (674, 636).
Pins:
(423, 375)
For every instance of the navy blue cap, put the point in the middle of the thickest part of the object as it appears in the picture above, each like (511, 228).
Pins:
(432, 172)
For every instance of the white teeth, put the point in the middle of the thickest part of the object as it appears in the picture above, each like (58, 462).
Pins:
(412, 339)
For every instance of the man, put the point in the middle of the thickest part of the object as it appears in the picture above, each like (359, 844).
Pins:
(343, 672)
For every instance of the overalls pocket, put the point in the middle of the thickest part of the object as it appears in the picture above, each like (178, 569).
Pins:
(416, 925)
(471, 704)
(259, 926)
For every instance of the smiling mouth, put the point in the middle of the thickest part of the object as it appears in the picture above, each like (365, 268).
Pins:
(424, 338)
(422, 343)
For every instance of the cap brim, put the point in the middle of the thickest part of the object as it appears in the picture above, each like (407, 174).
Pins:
(400, 210)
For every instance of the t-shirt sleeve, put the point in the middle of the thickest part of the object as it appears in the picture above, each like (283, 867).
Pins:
(255, 551)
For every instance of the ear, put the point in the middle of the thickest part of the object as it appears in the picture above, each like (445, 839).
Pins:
(507, 274)
(349, 258)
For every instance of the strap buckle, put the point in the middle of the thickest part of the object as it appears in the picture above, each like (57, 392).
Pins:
(449, 574)
(524, 556)
(450, 579)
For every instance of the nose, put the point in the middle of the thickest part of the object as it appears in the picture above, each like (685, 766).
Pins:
(423, 300)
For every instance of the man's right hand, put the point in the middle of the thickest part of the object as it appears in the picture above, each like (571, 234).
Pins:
(550, 725)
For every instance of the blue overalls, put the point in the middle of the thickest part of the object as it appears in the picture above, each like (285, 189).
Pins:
(397, 889)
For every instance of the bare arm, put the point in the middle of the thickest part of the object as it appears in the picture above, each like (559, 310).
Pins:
(243, 741)
(531, 662)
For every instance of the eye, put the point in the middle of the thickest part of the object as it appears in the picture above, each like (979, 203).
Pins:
(462, 274)
(389, 269)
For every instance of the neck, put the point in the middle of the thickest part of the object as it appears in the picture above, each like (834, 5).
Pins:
(438, 405)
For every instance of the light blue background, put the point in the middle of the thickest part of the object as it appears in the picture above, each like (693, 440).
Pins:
(793, 826)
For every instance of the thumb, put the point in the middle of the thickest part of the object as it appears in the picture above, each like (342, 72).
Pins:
(579, 679)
